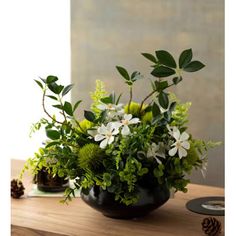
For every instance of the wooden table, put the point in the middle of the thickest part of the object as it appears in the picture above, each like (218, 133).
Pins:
(46, 216)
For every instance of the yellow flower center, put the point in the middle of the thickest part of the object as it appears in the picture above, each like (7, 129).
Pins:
(125, 122)
(178, 144)
(109, 134)
(109, 106)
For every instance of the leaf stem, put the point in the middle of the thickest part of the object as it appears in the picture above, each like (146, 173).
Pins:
(148, 96)
(130, 97)
(63, 112)
(44, 108)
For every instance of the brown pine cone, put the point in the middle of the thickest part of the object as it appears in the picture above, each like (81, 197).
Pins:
(211, 226)
(17, 188)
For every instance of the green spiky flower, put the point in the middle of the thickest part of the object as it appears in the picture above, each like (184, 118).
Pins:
(90, 157)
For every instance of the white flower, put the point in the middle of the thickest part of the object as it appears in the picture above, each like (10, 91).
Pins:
(172, 129)
(156, 151)
(127, 120)
(181, 143)
(112, 109)
(106, 133)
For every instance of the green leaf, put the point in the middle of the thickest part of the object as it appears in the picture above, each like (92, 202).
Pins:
(68, 108)
(52, 144)
(135, 76)
(39, 83)
(159, 86)
(176, 80)
(172, 106)
(150, 57)
(67, 89)
(143, 171)
(118, 99)
(55, 88)
(52, 134)
(155, 110)
(76, 105)
(52, 97)
(163, 100)
(58, 106)
(185, 57)
(107, 177)
(51, 78)
(106, 100)
(194, 66)
(166, 58)
(162, 71)
(167, 116)
(89, 116)
(123, 72)
(44, 80)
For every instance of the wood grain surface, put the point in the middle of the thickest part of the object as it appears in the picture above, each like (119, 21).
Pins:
(46, 216)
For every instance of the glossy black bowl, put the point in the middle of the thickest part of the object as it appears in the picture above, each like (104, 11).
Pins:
(149, 200)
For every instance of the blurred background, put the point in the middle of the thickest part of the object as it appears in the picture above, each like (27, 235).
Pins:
(108, 33)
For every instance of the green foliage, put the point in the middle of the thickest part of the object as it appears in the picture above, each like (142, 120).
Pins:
(135, 149)
(84, 125)
(90, 157)
(180, 114)
(97, 95)
(185, 58)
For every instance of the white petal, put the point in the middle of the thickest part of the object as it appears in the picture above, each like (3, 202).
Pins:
(115, 131)
(158, 161)
(92, 132)
(182, 152)
(103, 144)
(161, 154)
(111, 114)
(169, 128)
(119, 106)
(173, 151)
(110, 127)
(117, 125)
(111, 139)
(127, 116)
(134, 121)
(99, 137)
(185, 144)
(184, 136)
(149, 153)
(102, 107)
(121, 112)
(154, 147)
(125, 130)
(102, 129)
(176, 134)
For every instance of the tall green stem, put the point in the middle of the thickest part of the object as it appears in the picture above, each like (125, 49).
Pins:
(148, 96)
(44, 108)
(130, 97)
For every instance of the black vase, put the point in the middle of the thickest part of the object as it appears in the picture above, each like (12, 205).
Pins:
(149, 200)
(48, 183)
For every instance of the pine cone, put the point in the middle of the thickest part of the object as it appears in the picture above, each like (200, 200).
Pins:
(211, 226)
(17, 188)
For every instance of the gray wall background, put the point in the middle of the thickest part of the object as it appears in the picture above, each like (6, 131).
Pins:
(107, 33)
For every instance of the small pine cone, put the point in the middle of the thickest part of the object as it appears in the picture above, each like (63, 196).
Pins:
(17, 188)
(211, 226)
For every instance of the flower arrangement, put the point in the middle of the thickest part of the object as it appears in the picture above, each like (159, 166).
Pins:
(118, 146)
